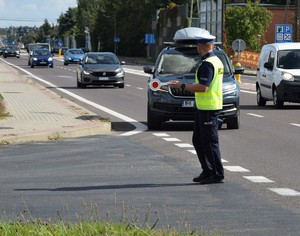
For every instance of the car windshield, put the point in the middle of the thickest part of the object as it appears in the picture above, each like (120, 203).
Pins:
(183, 64)
(288, 59)
(41, 53)
(101, 59)
(75, 51)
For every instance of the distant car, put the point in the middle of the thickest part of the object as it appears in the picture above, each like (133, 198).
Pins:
(63, 50)
(11, 51)
(41, 57)
(55, 49)
(100, 68)
(73, 56)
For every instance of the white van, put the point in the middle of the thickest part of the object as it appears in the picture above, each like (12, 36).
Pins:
(278, 74)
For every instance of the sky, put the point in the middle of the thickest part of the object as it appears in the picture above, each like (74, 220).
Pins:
(32, 12)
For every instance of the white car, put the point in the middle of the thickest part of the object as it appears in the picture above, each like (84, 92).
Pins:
(278, 74)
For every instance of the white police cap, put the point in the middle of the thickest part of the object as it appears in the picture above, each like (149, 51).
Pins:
(193, 33)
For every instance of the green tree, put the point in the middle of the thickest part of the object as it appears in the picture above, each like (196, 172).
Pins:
(248, 22)
(67, 22)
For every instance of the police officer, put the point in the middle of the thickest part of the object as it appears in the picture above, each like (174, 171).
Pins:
(209, 101)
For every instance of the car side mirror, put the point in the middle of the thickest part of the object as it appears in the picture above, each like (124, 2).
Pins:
(149, 69)
(268, 65)
(238, 70)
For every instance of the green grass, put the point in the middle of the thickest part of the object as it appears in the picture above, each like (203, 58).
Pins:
(90, 228)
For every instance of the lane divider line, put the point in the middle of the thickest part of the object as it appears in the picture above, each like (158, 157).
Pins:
(254, 179)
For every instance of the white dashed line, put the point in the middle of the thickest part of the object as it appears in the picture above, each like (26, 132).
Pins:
(295, 124)
(256, 115)
(139, 88)
(236, 169)
(161, 134)
(192, 151)
(258, 179)
(172, 139)
(184, 145)
(285, 192)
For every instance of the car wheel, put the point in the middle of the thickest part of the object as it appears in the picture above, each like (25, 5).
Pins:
(65, 63)
(260, 100)
(152, 121)
(277, 103)
(121, 86)
(51, 66)
(234, 123)
(32, 66)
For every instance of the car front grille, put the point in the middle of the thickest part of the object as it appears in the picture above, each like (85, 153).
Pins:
(178, 92)
(103, 74)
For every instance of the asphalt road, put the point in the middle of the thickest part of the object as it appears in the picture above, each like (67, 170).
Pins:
(145, 176)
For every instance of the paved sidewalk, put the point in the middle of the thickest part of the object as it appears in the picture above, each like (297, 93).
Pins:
(38, 114)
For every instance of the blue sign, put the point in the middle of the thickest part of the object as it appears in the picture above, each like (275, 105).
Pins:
(149, 38)
(116, 39)
(59, 43)
(283, 33)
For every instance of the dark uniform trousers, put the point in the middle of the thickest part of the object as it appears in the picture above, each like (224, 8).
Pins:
(206, 142)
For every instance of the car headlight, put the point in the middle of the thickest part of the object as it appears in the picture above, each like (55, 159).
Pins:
(120, 72)
(86, 72)
(50, 59)
(35, 59)
(287, 76)
(229, 88)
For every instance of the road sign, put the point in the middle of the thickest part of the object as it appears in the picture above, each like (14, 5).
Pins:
(283, 33)
(149, 38)
(238, 45)
(116, 39)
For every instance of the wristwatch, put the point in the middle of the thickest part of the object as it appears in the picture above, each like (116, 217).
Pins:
(182, 86)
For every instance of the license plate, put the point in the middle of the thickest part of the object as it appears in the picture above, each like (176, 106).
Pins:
(103, 78)
(188, 103)
(43, 62)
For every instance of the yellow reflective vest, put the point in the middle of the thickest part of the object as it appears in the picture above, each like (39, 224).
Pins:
(212, 99)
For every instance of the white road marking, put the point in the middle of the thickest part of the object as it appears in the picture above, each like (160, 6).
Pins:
(136, 72)
(236, 169)
(258, 179)
(192, 151)
(295, 124)
(139, 88)
(161, 134)
(285, 192)
(246, 91)
(195, 153)
(184, 145)
(256, 115)
(172, 139)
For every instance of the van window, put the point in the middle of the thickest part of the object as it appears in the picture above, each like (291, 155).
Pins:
(288, 59)
(271, 58)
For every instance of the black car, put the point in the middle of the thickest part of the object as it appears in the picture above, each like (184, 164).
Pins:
(180, 63)
(100, 68)
(11, 51)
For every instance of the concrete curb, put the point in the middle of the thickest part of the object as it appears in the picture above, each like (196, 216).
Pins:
(39, 114)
